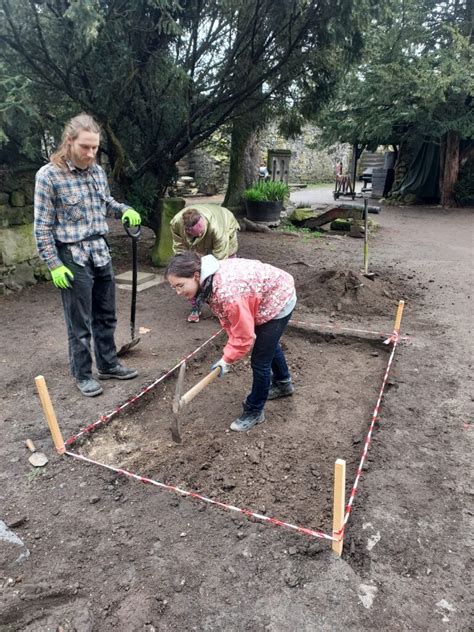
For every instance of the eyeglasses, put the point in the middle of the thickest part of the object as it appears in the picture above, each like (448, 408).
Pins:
(178, 286)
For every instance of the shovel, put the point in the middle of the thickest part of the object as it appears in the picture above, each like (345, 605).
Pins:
(135, 235)
(37, 459)
(179, 401)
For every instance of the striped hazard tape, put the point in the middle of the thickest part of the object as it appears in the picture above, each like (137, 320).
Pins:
(116, 411)
(217, 503)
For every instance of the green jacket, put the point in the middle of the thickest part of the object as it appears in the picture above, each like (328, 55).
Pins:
(219, 239)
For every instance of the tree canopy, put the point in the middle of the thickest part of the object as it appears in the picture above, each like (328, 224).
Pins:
(160, 75)
(415, 80)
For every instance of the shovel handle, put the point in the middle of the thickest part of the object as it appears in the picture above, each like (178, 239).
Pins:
(30, 445)
(197, 388)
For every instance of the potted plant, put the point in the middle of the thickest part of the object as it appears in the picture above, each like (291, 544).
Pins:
(264, 201)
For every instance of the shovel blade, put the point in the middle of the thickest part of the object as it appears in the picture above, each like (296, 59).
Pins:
(126, 348)
(175, 432)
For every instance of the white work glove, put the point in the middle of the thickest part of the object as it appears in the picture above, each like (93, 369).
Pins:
(225, 368)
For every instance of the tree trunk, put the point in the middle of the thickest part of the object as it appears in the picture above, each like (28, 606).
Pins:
(244, 159)
(450, 168)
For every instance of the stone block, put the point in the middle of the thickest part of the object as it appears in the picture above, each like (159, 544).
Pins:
(162, 249)
(17, 244)
(300, 214)
(4, 198)
(16, 216)
(17, 198)
(24, 274)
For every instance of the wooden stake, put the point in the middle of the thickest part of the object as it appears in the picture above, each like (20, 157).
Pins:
(339, 504)
(50, 414)
(398, 317)
(366, 237)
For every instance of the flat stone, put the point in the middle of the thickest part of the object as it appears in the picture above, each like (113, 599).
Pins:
(145, 280)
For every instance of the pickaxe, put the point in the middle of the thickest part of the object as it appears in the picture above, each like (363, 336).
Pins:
(179, 401)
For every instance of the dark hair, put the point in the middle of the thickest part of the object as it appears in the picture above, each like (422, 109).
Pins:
(184, 265)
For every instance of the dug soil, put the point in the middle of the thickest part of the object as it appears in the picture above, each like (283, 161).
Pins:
(83, 547)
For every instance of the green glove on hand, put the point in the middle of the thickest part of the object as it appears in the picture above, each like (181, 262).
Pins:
(59, 276)
(132, 216)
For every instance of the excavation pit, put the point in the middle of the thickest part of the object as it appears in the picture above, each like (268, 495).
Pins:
(283, 467)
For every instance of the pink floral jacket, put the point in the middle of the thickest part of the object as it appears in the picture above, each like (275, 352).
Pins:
(247, 293)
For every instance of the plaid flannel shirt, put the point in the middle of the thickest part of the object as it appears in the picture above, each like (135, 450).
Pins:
(70, 205)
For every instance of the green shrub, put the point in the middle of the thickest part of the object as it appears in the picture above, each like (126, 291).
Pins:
(267, 192)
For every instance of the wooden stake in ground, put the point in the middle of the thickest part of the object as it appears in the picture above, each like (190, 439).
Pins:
(398, 317)
(50, 414)
(339, 504)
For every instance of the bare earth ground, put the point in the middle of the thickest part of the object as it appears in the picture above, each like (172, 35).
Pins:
(109, 553)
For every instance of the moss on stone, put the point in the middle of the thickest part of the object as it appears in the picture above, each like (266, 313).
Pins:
(162, 249)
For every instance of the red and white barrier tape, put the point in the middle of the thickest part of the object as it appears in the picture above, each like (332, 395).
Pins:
(217, 503)
(108, 416)
(394, 338)
(338, 535)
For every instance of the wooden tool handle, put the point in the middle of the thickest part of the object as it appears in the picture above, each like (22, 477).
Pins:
(30, 445)
(197, 388)
(50, 414)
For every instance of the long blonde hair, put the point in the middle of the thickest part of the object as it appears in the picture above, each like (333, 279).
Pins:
(71, 132)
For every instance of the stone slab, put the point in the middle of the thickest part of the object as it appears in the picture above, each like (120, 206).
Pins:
(146, 281)
(126, 277)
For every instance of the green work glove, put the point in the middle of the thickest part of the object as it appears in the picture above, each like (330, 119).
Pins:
(60, 277)
(132, 216)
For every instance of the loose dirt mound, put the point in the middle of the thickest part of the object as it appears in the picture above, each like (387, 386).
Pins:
(347, 291)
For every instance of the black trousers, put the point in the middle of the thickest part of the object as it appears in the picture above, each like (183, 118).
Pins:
(89, 310)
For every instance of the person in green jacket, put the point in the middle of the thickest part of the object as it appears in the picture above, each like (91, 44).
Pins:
(208, 229)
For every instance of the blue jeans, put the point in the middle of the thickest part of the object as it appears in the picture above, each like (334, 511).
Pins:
(267, 358)
(89, 310)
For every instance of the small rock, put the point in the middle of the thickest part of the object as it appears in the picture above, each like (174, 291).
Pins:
(228, 485)
(315, 548)
(94, 499)
(178, 585)
(292, 550)
(253, 456)
(291, 580)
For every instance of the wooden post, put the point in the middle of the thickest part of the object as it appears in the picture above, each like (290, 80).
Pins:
(366, 237)
(339, 503)
(50, 414)
(398, 317)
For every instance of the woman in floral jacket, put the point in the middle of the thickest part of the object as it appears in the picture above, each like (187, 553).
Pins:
(253, 302)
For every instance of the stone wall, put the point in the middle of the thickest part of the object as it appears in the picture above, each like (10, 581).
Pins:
(19, 262)
(211, 173)
(310, 162)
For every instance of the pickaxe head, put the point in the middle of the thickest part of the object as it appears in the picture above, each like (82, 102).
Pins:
(175, 433)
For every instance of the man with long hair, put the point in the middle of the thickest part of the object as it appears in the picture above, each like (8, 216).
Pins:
(72, 200)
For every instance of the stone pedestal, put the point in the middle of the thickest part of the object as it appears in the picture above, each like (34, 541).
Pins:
(162, 249)
(278, 164)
